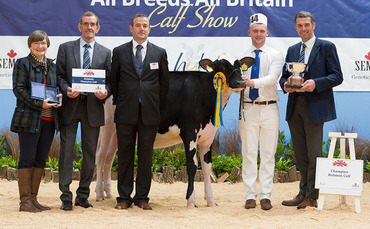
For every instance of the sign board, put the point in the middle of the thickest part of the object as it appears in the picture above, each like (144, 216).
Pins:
(339, 174)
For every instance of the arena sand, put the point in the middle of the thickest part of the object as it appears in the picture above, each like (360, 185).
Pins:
(170, 211)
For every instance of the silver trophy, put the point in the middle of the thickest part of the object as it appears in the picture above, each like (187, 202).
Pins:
(295, 80)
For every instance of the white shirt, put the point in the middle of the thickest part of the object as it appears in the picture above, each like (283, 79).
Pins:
(143, 50)
(82, 50)
(309, 45)
(271, 66)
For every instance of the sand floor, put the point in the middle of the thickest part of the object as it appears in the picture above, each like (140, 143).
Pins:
(170, 211)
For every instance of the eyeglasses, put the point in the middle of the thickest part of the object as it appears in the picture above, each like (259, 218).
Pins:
(36, 44)
(86, 24)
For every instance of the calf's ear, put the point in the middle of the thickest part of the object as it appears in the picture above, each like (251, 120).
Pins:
(207, 64)
(246, 62)
(237, 64)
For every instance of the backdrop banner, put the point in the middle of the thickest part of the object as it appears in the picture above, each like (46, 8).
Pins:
(191, 30)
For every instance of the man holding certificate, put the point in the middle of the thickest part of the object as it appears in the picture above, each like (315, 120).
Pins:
(81, 105)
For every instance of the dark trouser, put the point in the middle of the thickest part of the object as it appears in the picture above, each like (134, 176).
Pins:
(89, 140)
(126, 135)
(34, 147)
(307, 143)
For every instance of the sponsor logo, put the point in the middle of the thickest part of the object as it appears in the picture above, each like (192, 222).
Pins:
(8, 62)
(355, 185)
(363, 65)
(362, 68)
(340, 163)
(89, 73)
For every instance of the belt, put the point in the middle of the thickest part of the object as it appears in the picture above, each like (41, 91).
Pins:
(299, 93)
(261, 103)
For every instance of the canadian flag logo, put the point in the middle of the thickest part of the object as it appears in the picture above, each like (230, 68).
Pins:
(367, 56)
(12, 54)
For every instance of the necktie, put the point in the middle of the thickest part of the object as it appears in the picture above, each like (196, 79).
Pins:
(139, 56)
(301, 56)
(86, 62)
(253, 92)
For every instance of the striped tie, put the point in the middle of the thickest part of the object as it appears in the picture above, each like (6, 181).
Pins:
(86, 61)
(301, 56)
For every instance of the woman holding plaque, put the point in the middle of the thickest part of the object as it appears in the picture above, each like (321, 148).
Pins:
(35, 117)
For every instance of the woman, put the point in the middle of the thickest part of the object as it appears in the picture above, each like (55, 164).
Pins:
(34, 120)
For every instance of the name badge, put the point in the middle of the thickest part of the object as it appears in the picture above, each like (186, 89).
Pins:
(154, 66)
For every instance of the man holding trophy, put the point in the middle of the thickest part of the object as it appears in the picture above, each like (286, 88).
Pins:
(259, 123)
(312, 69)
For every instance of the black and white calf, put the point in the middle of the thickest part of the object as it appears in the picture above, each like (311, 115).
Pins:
(188, 117)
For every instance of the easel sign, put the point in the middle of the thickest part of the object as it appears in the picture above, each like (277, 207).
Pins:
(339, 175)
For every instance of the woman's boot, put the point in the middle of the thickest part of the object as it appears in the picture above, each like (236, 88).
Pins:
(35, 184)
(24, 186)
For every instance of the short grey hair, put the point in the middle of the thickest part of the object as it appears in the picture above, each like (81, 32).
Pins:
(38, 35)
(303, 14)
(89, 14)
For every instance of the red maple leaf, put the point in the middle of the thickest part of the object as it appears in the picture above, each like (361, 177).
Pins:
(12, 54)
(368, 56)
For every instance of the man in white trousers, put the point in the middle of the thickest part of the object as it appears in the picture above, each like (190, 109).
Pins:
(259, 125)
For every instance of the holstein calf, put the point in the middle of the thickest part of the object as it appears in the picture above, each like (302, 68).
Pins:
(187, 116)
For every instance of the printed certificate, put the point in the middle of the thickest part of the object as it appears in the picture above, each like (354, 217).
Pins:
(88, 80)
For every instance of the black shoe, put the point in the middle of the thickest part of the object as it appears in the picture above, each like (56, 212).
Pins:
(83, 203)
(66, 205)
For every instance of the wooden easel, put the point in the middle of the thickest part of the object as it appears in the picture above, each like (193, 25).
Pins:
(342, 193)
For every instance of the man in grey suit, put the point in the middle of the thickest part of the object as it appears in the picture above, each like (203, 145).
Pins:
(139, 84)
(79, 107)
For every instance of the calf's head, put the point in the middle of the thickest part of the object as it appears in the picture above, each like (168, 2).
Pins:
(233, 73)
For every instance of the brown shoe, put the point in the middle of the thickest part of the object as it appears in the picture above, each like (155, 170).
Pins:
(308, 202)
(122, 205)
(265, 204)
(250, 203)
(144, 206)
(295, 201)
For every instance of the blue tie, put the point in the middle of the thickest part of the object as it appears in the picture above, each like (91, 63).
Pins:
(301, 56)
(86, 61)
(139, 56)
(253, 92)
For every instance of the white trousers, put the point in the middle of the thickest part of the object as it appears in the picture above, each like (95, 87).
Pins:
(259, 131)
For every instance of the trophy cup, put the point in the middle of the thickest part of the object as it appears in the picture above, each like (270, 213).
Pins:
(295, 80)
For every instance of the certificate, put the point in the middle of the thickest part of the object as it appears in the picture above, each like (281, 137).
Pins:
(41, 91)
(88, 80)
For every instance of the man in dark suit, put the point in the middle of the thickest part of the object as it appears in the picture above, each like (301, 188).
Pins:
(312, 105)
(79, 107)
(139, 82)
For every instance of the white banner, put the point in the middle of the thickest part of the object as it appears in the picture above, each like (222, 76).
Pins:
(185, 52)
